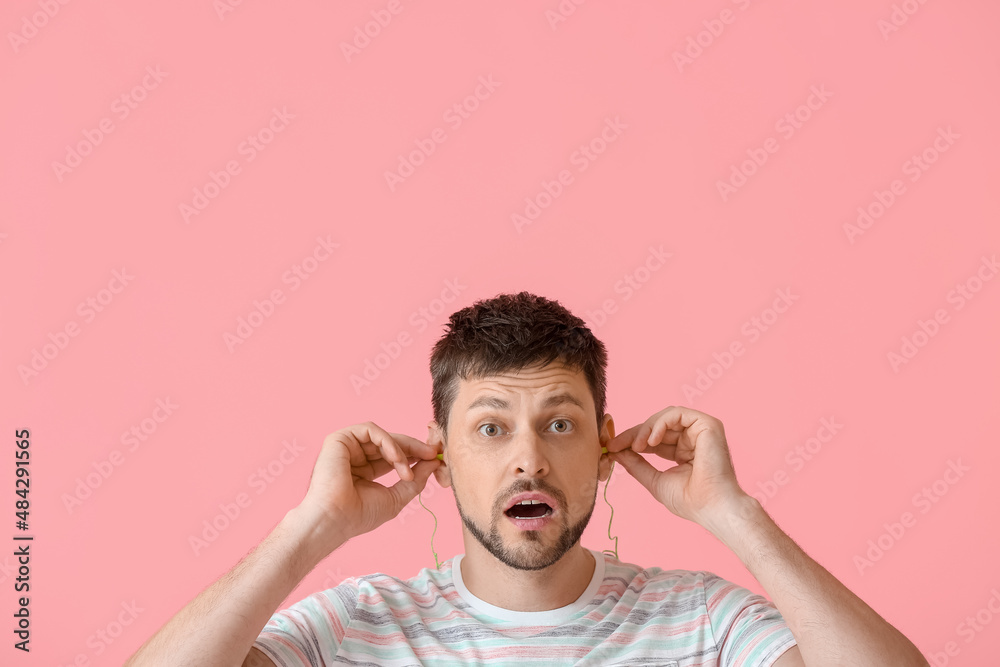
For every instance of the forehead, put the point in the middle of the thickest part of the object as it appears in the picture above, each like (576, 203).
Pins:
(543, 387)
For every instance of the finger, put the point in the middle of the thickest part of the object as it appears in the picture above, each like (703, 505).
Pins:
(381, 459)
(641, 440)
(406, 490)
(374, 451)
(413, 459)
(387, 449)
(393, 451)
(651, 435)
(668, 452)
(365, 442)
(416, 447)
(373, 469)
(408, 444)
(412, 449)
(680, 418)
(623, 439)
(637, 466)
(350, 444)
(663, 434)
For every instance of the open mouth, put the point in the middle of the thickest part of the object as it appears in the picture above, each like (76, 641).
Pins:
(531, 509)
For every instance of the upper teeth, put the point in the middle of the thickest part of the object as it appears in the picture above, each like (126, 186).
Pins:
(531, 502)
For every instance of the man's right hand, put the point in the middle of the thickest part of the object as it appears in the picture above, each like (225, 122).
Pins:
(343, 495)
(342, 502)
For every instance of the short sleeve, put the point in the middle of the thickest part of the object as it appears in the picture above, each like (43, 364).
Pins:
(309, 633)
(748, 629)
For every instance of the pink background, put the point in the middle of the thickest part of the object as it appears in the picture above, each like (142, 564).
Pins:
(683, 127)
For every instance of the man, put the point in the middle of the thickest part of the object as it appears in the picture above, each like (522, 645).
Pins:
(519, 415)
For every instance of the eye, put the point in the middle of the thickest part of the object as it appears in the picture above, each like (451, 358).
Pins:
(485, 425)
(564, 422)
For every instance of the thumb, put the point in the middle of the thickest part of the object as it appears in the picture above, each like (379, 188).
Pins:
(637, 466)
(406, 490)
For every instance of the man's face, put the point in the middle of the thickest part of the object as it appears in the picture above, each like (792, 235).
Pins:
(494, 453)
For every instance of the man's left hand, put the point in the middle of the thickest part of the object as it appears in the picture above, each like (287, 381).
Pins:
(702, 483)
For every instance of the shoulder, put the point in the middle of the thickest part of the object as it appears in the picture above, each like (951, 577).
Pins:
(615, 567)
(672, 585)
(427, 583)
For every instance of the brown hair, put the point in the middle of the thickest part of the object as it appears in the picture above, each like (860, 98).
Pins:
(508, 333)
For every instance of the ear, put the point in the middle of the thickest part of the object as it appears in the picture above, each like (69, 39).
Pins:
(436, 439)
(606, 435)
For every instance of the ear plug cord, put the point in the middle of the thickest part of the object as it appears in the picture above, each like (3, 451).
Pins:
(610, 552)
(435, 530)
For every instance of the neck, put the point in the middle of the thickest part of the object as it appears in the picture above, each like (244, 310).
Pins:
(555, 586)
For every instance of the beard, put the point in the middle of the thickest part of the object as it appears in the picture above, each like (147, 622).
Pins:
(530, 549)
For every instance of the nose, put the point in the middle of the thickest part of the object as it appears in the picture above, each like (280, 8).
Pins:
(530, 453)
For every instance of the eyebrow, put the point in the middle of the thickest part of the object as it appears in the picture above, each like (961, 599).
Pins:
(497, 403)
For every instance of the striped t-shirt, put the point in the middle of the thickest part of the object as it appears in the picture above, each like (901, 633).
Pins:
(627, 616)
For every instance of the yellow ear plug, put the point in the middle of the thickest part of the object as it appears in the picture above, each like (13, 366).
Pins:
(604, 450)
